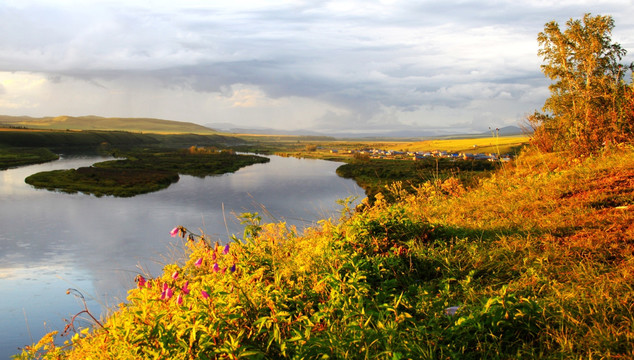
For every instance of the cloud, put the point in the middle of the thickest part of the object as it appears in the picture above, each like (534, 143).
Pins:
(374, 63)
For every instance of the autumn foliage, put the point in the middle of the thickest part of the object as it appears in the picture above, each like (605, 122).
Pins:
(591, 100)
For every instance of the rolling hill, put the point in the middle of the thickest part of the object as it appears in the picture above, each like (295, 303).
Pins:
(101, 123)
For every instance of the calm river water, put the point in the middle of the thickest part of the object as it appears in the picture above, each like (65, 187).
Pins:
(53, 241)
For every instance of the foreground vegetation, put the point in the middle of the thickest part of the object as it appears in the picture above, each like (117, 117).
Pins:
(142, 171)
(536, 262)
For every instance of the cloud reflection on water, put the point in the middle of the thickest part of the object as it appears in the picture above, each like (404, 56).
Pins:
(50, 241)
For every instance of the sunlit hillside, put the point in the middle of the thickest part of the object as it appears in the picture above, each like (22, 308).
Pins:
(490, 144)
(100, 123)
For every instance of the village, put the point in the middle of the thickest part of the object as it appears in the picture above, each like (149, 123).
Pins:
(420, 155)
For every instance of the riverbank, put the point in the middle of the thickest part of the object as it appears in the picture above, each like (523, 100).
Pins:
(535, 262)
(11, 157)
(374, 175)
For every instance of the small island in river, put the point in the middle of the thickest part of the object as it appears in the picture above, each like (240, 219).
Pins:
(142, 171)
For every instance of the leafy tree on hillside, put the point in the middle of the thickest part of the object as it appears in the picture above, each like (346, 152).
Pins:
(591, 102)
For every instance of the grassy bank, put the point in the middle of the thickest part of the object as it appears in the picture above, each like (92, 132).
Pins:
(535, 262)
(373, 175)
(142, 171)
(14, 157)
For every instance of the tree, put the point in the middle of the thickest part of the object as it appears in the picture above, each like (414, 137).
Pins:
(590, 103)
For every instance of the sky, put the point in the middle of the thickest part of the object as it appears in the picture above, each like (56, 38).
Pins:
(334, 67)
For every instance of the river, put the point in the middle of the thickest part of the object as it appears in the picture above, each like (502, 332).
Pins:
(51, 241)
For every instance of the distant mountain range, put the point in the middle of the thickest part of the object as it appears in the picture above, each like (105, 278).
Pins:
(160, 126)
(230, 128)
(101, 123)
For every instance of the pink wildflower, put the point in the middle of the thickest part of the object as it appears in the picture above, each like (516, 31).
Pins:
(216, 267)
(213, 256)
(226, 250)
(179, 299)
(185, 288)
(174, 231)
(140, 280)
(175, 275)
(204, 294)
(198, 262)
(168, 293)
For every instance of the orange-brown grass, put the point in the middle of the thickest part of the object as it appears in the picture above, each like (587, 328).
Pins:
(565, 234)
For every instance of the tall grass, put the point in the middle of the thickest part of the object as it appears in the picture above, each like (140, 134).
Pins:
(535, 262)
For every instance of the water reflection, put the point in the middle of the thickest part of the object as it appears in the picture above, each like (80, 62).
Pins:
(52, 241)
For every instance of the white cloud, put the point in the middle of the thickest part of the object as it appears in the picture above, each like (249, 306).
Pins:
(285, 63)
(20, 91)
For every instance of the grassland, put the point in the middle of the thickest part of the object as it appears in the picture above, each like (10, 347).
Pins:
(80, 139)
(487, 144)
(97, 123)
(536, 262)
(307, 147)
